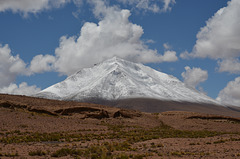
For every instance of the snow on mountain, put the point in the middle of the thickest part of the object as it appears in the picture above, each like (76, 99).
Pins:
(119, 79)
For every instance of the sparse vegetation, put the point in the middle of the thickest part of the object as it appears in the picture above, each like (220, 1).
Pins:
(194, 143)
(37, 153)
(100, 151)
(219, 141)
(65, 152)
(12, 154)
(106, 150)
(181, 153)
(134, 137)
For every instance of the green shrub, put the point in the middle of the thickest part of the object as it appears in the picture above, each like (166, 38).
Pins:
(219, 141)
(122, 156)
(65, 152)
(11, 154)
(37, 153)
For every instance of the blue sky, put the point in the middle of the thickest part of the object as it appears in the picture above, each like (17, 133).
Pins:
(44, 41)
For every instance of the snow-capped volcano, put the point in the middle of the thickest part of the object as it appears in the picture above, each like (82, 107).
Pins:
(120, 79)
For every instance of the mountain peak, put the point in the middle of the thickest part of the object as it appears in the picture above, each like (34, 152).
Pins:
(116, 78)
(118, 59)
(115, 60)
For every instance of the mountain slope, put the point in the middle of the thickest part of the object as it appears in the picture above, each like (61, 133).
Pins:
(119, 79)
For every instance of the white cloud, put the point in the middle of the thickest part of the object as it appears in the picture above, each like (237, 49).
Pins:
(167, 46)
(168, 4)
(10, 66)
(170, 56)
(193, 77)
(114, 35)
(22, 89)
(42, 63)
(78, 3)
(229, 65)
(149, 41)
(151, 5)
(230, 95)
(185, 55)
(219, 39)
(30, 6)
(35, 6)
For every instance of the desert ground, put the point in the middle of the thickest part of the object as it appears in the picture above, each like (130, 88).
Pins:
(40, 128)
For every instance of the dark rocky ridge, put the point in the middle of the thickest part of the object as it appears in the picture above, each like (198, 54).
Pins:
(93, 106)
(156, 106)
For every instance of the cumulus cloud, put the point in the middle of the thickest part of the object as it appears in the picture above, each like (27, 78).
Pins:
(193, 77)
(114, 35)
(230, 95)
(30, 6)
(22, 89)
(229, 65)
(10, 66)
(169, 56)
(219, 39)
(42, 63)
(151, 5)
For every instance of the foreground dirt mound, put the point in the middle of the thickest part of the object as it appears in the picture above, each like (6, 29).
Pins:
(64, 108)
(40, 128)
(199, 121)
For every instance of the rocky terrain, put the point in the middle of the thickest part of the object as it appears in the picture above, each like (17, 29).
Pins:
(41, 128)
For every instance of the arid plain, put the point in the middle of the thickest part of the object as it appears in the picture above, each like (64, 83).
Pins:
(40, 128)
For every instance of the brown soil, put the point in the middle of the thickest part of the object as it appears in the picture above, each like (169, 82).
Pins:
(155, 105)
(198, 121)
(40, 128)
